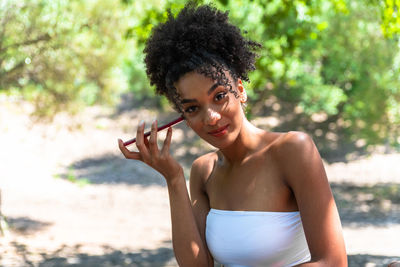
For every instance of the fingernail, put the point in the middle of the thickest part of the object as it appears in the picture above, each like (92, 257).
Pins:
(141, 123)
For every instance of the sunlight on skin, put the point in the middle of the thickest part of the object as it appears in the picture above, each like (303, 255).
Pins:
(195, 248)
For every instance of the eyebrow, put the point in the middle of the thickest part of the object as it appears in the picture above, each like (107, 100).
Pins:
(209, 92)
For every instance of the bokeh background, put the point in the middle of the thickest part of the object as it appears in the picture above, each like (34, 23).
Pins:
(72, 81)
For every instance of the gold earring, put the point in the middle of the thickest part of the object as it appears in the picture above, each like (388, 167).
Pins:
(243, 97)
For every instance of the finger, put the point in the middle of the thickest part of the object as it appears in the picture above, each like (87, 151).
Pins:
(140, 142)
(167, 141)
(153, 139)
(126, 152)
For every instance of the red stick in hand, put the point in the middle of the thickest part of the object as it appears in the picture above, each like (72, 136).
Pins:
(178, 120)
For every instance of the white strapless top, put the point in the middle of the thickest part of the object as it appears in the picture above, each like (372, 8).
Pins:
(256, 238)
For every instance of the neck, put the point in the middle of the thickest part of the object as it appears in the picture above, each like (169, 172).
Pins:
(247, 141)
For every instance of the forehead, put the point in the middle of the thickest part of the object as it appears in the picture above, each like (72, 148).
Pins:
(193, 82)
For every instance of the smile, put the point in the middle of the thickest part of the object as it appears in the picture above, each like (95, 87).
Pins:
(219, 132)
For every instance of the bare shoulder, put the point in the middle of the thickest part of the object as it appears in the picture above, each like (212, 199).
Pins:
(205, 162)
(298, 159)
(293, 138)
(202, 167)
(294, 151)
(292, 143)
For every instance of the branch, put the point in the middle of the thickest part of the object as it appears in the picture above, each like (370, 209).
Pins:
(11, 71)
(44, 37)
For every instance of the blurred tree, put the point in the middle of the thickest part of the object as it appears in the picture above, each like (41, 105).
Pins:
(61, 53)
(390, 17)
(363, 65)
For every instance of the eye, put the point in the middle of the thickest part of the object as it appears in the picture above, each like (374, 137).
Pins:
(220, 96)
(190, 109)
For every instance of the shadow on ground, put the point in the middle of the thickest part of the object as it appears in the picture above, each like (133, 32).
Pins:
(112, 169)
(364, 205)
(25, 225)
(365, 260)
(71, 256)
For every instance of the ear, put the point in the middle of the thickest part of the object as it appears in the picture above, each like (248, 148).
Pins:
(242, 91)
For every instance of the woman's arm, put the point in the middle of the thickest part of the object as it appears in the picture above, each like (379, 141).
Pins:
(187, 242)
(201, 170)
(304, 173)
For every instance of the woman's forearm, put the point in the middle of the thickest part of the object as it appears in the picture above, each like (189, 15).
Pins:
(188, 245)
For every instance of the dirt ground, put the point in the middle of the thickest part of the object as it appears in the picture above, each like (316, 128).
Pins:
(71, 199)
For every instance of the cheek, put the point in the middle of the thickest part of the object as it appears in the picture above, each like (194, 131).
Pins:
(233, 107)
(193, 123)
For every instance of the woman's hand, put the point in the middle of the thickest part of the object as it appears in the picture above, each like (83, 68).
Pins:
(149, 153)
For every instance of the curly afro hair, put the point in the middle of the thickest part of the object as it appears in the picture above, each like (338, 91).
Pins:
(199, 38)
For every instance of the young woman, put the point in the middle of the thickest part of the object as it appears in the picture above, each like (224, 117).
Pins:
(262, 198)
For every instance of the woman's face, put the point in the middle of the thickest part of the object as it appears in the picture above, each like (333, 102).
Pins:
(214, 113)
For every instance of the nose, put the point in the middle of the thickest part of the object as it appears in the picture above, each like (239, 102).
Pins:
(212, 117)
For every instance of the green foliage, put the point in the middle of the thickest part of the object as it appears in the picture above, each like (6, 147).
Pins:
(391, 18)
(360, 61)
(317, 98)
(61, 54)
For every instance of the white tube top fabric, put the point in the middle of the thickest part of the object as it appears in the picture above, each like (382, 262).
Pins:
(256, 238)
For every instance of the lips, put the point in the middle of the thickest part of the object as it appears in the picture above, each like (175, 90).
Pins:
(220, 131)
